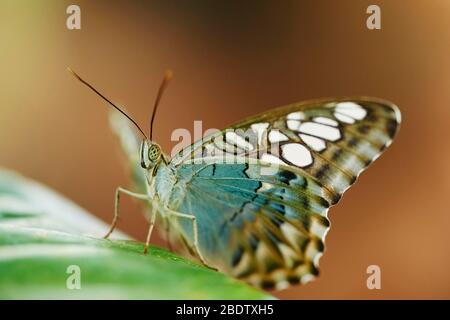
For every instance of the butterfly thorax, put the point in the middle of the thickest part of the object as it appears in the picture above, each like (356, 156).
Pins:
(160, 182)
(159, 175)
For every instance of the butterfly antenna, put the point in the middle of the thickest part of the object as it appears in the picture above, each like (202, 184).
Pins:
(167, 76)
(106, 99)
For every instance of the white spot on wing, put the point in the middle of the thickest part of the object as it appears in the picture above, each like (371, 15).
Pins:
(262, 252)
(272, 159)
(351, 109)
(260, 129)
(307, 278)
(297, 154)
(314, 143)
(264, 187)
(235, 139)
(304, 273)
(320, 131)
(296, 116)
(318, 229)
(243, 265)
(317, 259)
(289, 255)
(291, 234)
(324, 120)
(277, 136)
(293, 124)
(282, 284)
(343, 118)
(311, 251)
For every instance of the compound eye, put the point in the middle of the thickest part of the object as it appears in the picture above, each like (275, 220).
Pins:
(154, 152)
(144, 155)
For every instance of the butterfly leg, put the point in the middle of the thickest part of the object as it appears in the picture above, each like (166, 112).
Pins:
(167, 232)
(193, 219)
(117, 209)
(150, 229)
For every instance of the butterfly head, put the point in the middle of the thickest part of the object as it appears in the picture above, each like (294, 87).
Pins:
(151, 154)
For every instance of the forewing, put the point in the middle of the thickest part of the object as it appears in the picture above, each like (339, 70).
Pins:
(330, 140)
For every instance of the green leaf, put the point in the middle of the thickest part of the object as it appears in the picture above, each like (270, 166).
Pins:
(42, 234)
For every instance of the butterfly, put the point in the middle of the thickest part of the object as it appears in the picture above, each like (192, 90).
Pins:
(252, 200)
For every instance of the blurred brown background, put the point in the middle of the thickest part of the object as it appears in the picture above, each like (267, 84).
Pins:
(232, 60)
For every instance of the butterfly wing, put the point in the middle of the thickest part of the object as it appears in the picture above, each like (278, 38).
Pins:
(263, 216)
